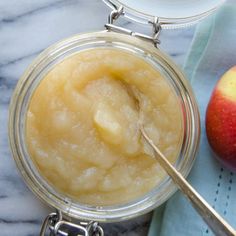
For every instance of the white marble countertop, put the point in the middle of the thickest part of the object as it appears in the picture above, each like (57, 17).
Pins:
(26, 28)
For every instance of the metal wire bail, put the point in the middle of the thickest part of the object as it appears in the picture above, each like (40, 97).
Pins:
(55, 225)
(116, 13)
(156, 29)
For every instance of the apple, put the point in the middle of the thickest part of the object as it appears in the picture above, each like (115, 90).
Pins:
(221, 119)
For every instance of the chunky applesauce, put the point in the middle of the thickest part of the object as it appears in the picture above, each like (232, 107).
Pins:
(82, 126)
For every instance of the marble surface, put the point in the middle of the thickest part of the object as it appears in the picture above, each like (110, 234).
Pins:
(26, 28)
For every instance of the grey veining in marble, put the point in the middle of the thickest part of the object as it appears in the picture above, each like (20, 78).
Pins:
(26, 28)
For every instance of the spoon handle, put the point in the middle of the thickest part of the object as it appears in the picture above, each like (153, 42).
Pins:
(217, 224)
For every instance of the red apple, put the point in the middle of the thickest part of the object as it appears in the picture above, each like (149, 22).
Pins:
(221, 119)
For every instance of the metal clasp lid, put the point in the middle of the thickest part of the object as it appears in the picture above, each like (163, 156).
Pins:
(116, 13)
(55, 225)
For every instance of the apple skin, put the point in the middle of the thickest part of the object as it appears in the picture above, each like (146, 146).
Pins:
(221, 119)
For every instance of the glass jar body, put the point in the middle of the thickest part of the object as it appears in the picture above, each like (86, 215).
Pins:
(37, 71)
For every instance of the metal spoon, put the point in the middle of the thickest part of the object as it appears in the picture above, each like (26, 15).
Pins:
(217, 224)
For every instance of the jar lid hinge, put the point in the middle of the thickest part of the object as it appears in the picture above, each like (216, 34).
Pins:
(116, 13)
(55, 225)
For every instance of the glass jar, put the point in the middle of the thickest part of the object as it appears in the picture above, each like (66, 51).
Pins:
(37, 71)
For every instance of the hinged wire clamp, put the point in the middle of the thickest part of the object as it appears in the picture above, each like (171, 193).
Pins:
(116, 13)
(55, 225)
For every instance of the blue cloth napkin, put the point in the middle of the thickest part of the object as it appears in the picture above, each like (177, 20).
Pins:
(212, 53)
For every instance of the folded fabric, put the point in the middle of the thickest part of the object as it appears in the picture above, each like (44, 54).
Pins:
(212, 53)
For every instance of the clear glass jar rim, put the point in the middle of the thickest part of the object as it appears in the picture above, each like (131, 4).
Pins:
(18, 106)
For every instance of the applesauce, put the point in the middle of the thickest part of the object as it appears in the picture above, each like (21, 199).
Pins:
(82, 126)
